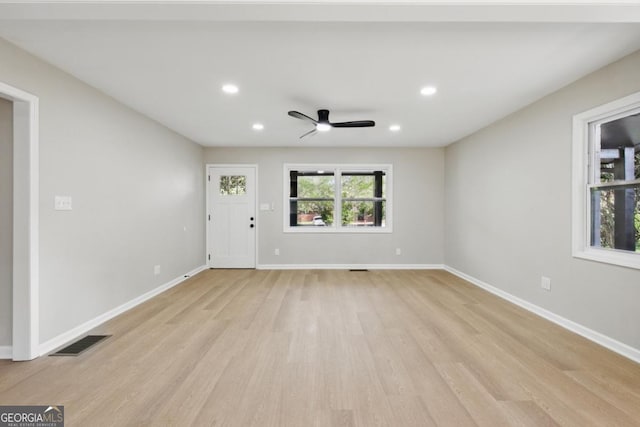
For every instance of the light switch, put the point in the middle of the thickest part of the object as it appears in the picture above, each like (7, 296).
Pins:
(63, 203)
(545, 283)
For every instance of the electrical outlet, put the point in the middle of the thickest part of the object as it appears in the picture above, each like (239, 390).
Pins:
(398, 251)
(545, 283)
(156, 270)
(276, 251)
(63, 203)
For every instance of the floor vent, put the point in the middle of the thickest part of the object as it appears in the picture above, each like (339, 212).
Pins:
(80, 346)
(358, 269)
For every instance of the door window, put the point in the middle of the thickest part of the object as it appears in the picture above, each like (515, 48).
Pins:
(233, 185)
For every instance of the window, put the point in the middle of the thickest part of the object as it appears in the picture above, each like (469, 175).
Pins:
(363, 198)
(606, 188)
(338, 198)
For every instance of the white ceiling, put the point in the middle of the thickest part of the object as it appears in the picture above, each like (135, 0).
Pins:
(170, 65)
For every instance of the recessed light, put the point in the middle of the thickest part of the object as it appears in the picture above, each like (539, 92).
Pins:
(257, 126)
(428, 90)
(230, 88)
(394, 128)
(323, 127)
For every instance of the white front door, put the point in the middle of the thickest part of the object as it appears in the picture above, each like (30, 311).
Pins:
(231, 216)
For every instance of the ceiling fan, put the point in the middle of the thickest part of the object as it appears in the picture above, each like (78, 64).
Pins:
(323, 124)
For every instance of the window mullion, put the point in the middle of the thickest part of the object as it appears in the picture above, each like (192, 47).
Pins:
(377, 193)
(293, 202)
(618, 184)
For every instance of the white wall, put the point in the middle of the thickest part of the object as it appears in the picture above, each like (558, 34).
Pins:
(417, 207)
(508, 209)
(6, 219)
(138, 197)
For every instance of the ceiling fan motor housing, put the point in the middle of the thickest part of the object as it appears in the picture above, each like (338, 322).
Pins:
(323, 116)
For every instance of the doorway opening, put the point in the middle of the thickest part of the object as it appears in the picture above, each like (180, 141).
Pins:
(6, 226)
(24, 328)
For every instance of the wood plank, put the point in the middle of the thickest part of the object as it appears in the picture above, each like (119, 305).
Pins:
(322, 348)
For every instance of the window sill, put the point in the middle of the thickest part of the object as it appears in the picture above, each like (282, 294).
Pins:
(334, 230)
(610, 256)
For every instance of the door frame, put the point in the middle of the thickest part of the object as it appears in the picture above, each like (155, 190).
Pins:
(207, 201)
(25, 304)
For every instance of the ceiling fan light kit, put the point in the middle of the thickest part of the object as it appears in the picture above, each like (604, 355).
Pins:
(323, 124)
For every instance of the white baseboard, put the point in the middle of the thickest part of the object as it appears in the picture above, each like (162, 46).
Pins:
(605, 341)
(6, 352)
(350, 267)
(78, 331)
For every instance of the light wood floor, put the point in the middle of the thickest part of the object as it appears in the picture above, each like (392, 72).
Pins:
(325, 348)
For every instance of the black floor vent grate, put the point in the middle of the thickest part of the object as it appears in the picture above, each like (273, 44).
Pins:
(81, 345)
(358, 269)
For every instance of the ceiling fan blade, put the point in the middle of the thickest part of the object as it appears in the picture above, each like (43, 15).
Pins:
(310, 133)
(301, 116)
(356, 124)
